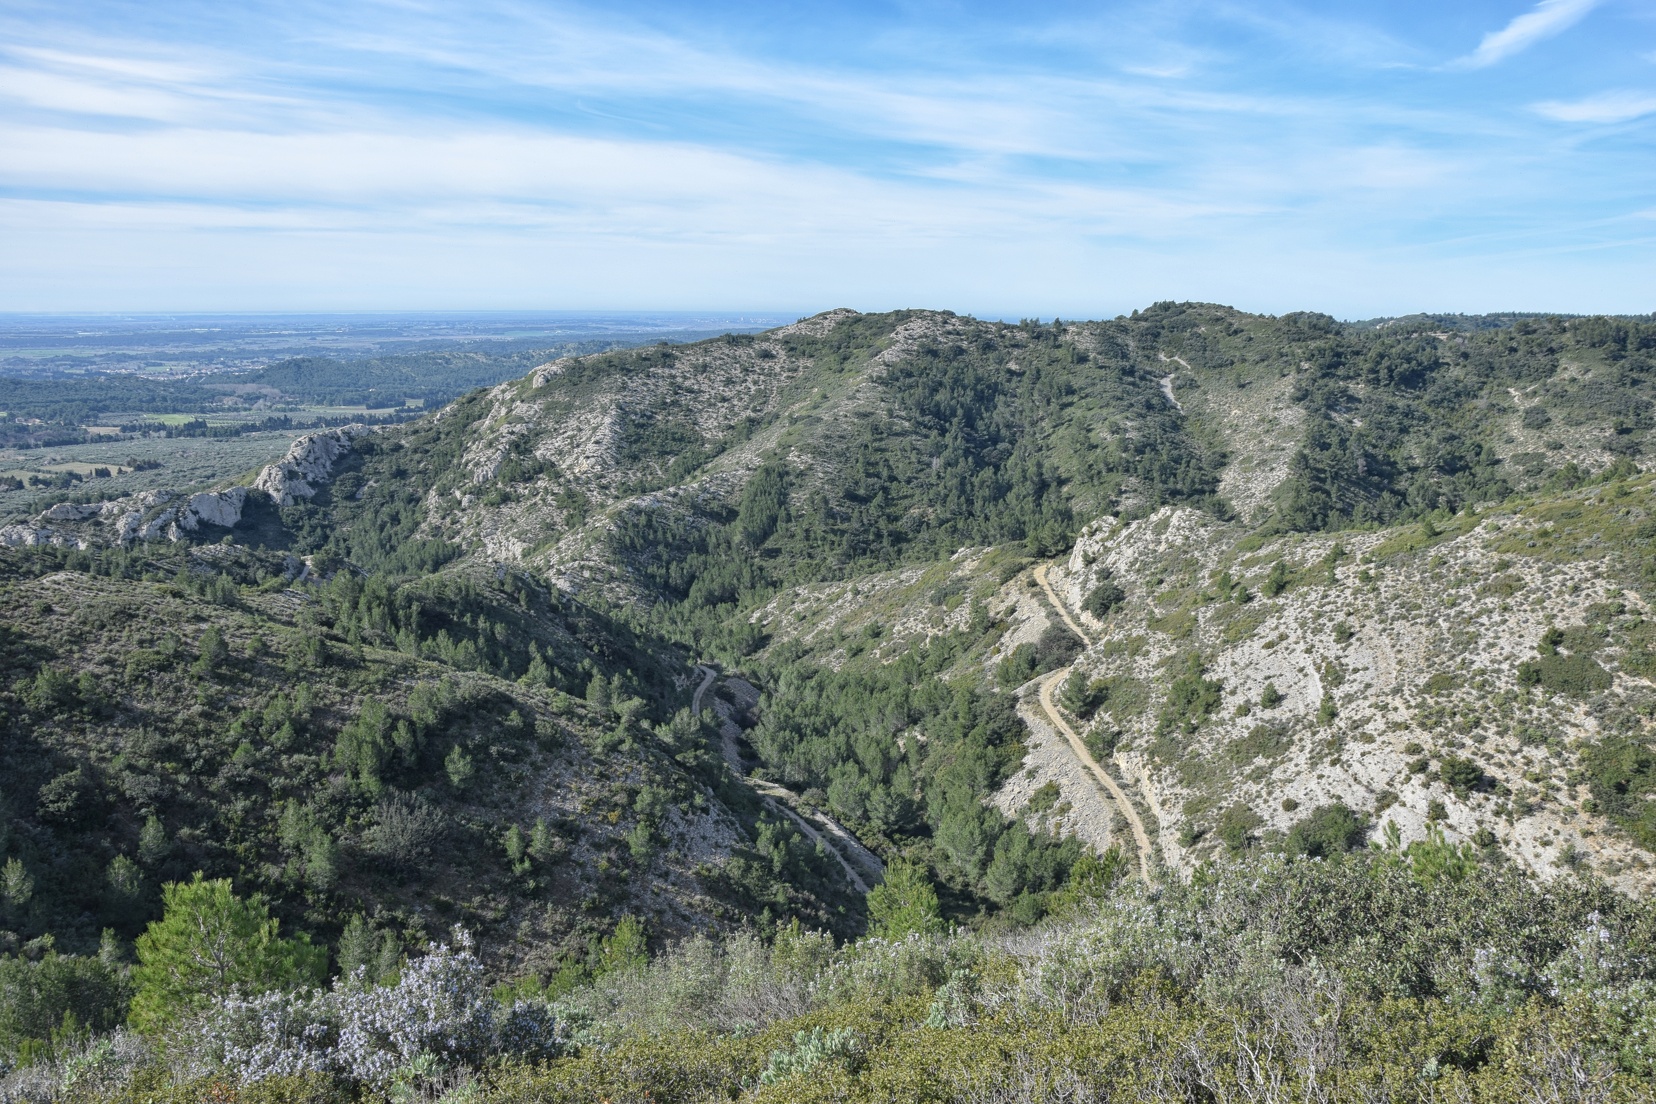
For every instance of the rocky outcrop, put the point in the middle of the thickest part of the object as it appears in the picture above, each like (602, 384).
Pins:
(72, 511)
(308, 464)
(20, 536)
(222, 508)
(150, 515)
(167, 515)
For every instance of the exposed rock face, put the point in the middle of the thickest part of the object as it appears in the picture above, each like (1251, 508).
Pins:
(72, 511)
(150, 515)
(308, 464)
(214, 508)
(157, 515)
(16, 536)
(137, 518)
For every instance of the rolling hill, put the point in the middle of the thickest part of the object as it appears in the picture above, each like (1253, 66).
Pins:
(990, 598)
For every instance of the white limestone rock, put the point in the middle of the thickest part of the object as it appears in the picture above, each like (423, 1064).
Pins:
(213, 508)
(71, 511)
(308, 464)
(19, 536)
(149, 515)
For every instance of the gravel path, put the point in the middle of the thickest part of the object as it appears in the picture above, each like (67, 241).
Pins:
(1140, 836)
(1167, 382)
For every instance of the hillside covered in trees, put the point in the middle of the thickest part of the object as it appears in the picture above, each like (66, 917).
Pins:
(691, 717)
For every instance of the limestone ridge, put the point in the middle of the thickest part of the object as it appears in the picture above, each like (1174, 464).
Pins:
(308, 465)
(1405, 571)
(167, 515)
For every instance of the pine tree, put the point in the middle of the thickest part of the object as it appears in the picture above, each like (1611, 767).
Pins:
(625, 948)
(153, 843)
(540, 841)
(208, 944)
(379, 959)
(16, 887)
(904, 903)
(458, 767)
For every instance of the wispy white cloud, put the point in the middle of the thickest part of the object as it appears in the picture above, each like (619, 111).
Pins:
(1161, 72)
(1550, 17)
(1606, 107)
(522, 129)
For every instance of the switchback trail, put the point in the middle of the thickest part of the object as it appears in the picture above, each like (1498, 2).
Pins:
(1077, 745)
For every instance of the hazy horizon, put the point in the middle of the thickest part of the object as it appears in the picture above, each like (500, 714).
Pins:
(1358, 158)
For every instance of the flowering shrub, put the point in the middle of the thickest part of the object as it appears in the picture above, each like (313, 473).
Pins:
(440, 1006)
(1596, 972)
(274, 1034)
(439, 1016)
(92, 1069)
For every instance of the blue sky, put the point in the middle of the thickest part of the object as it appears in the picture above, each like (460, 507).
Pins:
(1077, 159)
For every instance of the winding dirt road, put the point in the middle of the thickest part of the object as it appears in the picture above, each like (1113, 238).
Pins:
(862, 867)
(1078, 746)
(708, 675)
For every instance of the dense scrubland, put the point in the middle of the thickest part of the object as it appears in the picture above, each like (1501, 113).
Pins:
(398, 792)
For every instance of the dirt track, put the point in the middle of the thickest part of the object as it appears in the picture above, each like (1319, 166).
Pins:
(1140, 836)
(862, 867)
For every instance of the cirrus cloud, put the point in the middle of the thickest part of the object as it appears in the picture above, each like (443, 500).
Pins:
(1549, 18)
(1606, 107)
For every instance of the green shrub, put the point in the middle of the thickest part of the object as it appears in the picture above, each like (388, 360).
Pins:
(1190, 699)
(1081, 697)
(1326, 830)
(1102, 741)
(213, 652)
(1576, 675)
(809, 1050)
(1044, 798)
(1056, 647)
(1237, 825)
(51, 689)
(1461, 775)
(1104, 599)
(1018, 666)
(55, 996)
(1440, 683)
(1263, 741)
(1621, 775)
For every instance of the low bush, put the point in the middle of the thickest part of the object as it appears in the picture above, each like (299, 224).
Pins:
(1190, 699)
(1576, 675)
(1326, 830)
(47, 1001)
(1236, 826)
(438, 1017)
(1104, 599)
(1404, 973)
(1621, 775)
(1460, 774)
